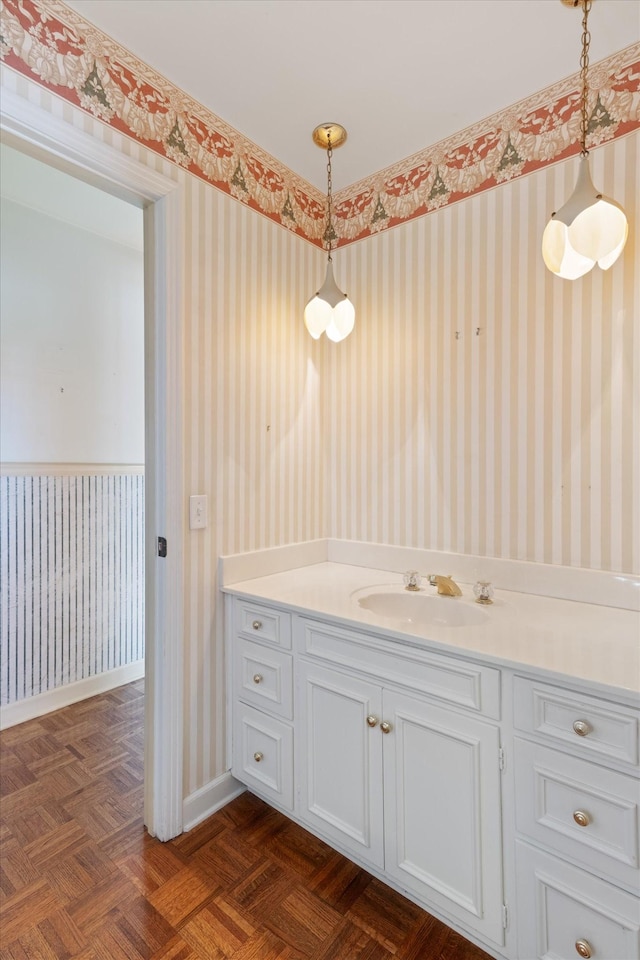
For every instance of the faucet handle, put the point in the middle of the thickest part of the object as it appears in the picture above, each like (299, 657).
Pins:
(483, 591)
(411, 580)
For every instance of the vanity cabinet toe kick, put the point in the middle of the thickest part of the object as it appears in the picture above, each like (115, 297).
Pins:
(519, 830)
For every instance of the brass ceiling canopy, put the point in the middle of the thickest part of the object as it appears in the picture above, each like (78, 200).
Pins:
(329, 133)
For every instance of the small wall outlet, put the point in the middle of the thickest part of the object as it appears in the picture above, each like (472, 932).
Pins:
(197, 512)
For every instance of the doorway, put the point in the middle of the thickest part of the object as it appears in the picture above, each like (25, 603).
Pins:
(71, 439)
(30, 128)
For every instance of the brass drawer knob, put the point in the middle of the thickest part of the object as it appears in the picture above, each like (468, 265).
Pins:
(257, 678)
(257, 624)
(258, 757)
(385, 727)
(581, 818)
(582, 728)
(584, 948)
(372, 721)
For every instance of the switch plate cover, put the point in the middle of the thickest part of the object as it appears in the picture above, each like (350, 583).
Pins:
(197, 512)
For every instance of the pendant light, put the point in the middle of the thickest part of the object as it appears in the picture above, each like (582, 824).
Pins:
(589, 228)
(329, 310)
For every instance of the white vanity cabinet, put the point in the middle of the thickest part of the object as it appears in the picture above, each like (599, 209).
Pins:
(502, 800)
(397, 778)
(577, 824)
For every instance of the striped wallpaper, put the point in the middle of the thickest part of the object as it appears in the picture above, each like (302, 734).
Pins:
(72, 571)
(253, 425)
(483, 405)
(521, 441)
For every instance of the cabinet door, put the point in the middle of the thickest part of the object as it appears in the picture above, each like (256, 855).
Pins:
(339, 759)
(442, 811)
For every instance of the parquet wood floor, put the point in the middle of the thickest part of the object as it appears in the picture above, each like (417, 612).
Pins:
(81, 878)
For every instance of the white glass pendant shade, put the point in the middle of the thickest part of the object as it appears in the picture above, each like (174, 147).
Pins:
(605, 262)
(600, 231)
(558, 254)
(588, 229)
(342, 320)
(329, 311)
(317, 316)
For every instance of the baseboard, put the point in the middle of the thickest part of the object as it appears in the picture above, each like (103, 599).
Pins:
(203, 802)
(42, 703)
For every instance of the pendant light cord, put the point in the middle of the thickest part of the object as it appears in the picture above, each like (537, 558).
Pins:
(584, 69)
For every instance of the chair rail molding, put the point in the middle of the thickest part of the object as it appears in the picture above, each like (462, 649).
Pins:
(32, 129)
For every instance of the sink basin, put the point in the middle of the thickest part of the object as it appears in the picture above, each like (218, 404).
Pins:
(419, 608)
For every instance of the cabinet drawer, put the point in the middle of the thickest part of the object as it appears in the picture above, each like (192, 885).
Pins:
(591, 726)
(466, 684)
(563, 911)
(580, 809)
(263, 755)
(263, 623)
(264, 677)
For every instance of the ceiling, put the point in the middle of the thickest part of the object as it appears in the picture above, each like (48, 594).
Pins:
(400, 75)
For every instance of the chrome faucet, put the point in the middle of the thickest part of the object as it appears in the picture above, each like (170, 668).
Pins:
(446, 586)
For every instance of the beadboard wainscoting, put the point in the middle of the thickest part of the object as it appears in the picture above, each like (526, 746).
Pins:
(72, 563)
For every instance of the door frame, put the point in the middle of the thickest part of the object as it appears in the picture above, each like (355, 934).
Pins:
(33, 130)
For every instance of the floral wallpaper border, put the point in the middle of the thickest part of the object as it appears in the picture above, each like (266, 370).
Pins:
(51, 44)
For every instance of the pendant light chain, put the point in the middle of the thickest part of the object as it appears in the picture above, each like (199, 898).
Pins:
(584, 69)
(329, 230)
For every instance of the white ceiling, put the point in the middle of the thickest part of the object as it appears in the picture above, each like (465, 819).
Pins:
(400, 75)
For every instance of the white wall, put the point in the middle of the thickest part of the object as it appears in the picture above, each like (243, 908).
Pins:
(71, 339)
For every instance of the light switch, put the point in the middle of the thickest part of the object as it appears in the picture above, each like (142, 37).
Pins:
(197, 512)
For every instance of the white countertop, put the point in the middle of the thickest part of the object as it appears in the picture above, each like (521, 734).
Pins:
(566, 638)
